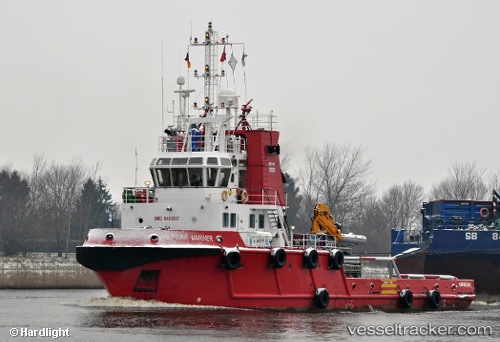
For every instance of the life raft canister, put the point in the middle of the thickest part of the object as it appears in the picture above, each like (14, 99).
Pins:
(321, 298)
(406, 298)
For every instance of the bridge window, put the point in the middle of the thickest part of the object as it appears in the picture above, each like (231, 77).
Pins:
(218, 177)
(163, 176)
(163, 161)
(179, 161)
(212, 176)
(181, 172)
(195, 176)
(196, 161)
(179, 177)
(212, 161)
(225, 173)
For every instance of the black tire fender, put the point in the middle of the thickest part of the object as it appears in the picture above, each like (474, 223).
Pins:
(321, 298)
(406, 298)
(311, 258)
(336, 259)
(278, 257)
(231, 259)
(433, 299)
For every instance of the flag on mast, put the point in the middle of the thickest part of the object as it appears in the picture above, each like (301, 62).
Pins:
(223, 56)
(243, 58)
(187, 60)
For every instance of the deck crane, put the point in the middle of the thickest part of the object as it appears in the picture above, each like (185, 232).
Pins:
(324, 221)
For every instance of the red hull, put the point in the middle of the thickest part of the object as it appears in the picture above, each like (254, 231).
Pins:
(257, 284)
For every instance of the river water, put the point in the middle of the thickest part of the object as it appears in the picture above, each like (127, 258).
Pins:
(90, 315)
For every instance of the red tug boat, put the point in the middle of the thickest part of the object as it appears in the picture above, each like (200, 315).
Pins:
(212, 230)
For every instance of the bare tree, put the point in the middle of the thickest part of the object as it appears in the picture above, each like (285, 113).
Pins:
(336, 175)
(464, 181)
(35, 179)
(372, 223)
(494, 181)
(60, 189)
(400, 205)
(310, 196)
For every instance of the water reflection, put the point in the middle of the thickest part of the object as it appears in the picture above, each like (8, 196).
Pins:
(128, 313)
(213, 322)
(219, 319)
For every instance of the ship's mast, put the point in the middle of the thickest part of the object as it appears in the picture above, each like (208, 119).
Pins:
(211, 75)
(210, 68)
(207, 131)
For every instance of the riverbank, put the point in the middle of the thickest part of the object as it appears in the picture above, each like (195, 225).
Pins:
(45, 271)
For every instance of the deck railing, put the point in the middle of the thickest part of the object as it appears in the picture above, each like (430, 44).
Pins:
(195, 141)
(188, 143)
(256, 196)
(318, 241)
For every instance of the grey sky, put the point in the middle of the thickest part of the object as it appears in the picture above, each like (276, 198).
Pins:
(416, 82)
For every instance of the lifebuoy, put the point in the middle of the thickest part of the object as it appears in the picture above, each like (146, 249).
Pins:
(278, 257)
(433, 299)
(321, 298)
(336, 259)
(484, 212)
(311, 258)
(224, 195)
(244, 197)
(406, 298)
(231, 259)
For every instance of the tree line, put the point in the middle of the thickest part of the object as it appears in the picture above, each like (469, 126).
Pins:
(53, 207)
(337, 175)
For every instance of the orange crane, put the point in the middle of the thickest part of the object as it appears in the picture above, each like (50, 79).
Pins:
(323, 221)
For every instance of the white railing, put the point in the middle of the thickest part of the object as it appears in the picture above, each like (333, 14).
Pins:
(262, 121)
(318, 241)
(138, 195)
(373, 266)
(184, 141)
(210, 194)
